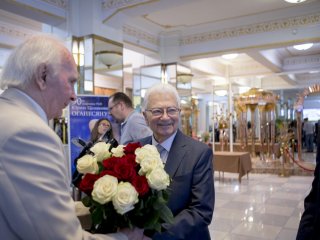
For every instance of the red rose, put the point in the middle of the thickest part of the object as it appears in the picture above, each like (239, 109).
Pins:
(124, 170)
(141, 185)
(131, 159)
(87, 182)
(110, 162)
(109, 172)
(131, 147)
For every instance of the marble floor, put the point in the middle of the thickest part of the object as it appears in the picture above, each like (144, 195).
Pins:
(265, 206)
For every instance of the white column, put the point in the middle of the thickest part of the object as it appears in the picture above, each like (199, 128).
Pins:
(213, 120)
(230, 110)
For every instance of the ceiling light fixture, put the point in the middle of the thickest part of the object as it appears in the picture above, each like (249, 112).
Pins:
(109, 58)
(230, 56)
(302, 47)
(295, 1)
(184, 77)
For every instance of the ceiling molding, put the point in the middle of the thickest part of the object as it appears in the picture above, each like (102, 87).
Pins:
(301, 62)
(112, 7)
(58, 3)
(116, 4)
(140, 35)
(9, 30)
(58, 7)
(271, 26)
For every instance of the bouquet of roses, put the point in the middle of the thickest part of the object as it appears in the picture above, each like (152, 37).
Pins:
(125, 187)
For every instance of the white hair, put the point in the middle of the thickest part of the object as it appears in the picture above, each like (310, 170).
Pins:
(23, 62)
(160, 88)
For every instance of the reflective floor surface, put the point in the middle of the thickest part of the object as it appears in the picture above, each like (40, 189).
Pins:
(265, 206)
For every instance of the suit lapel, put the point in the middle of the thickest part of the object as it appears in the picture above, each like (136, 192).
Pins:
(176, 154)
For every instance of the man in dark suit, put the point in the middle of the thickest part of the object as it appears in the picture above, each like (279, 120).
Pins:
(187, 161)
(309, 228)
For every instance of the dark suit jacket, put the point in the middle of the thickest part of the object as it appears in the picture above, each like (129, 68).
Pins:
(191, 200)
(309, 228)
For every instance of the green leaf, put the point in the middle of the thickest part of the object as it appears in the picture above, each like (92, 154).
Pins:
(152, 221)
(157, 227)
(95, 204)
(139, 206)
(86, 201)
(97, 216)
(165, 195)
(166, 214)
(159, 203)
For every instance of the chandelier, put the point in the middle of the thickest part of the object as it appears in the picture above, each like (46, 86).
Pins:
(257, 96)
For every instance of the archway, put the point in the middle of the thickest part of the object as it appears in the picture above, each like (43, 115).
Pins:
(298, 107)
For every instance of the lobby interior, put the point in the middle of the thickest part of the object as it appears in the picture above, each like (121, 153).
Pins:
(130, 45)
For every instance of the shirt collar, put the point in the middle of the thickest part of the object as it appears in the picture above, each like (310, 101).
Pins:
(167, 143)
(126, 120)
(35, 105)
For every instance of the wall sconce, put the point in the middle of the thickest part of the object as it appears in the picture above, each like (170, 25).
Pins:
(109, 58)
(78, 52)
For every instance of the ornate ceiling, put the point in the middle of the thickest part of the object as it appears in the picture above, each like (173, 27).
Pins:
(192, 33)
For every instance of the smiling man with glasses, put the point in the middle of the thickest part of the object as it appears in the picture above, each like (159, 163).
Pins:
(158, 112)
(187, 161)
(133, 125)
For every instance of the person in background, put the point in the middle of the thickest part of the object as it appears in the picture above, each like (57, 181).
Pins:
(310, 220)
(187, 161)
(133, 125)
(38, 81)
(308, 128)
(102, 131)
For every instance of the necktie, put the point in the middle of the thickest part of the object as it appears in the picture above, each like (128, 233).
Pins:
(162, 152)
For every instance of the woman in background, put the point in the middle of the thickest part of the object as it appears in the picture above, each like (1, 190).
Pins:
(102, 131)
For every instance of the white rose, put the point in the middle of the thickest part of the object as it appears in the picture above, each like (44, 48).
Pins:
(158, 179)
(101, 151)
(145, 152)
(104, 189)
(118, 151)
(87, 164)
(148, 163)
(125, 198)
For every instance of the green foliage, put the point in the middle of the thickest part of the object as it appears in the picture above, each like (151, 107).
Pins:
(149, 213)
(205, 137)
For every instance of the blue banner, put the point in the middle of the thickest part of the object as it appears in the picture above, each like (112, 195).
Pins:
(82, 116)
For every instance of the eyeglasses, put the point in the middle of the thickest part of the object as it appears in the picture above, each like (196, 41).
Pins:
(110, 108)
(104, 124)
(158, 112)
